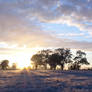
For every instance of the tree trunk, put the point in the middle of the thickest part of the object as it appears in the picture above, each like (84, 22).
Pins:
(45, 66)
(62, 66)
(36, 67)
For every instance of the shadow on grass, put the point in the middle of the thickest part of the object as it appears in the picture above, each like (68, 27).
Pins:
(45, 81)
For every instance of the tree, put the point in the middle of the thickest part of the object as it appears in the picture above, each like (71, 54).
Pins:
(74, 66)
(45, 56)
(53, 60)
(37, 60)
(79, 60)
(65, 56)
(0, 66)
(4, 64)
(41, 58)
(59, 57)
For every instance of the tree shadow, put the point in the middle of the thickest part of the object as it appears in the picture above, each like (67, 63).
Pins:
(78, 73)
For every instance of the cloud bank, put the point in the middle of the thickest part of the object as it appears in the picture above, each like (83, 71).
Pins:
(20, 22)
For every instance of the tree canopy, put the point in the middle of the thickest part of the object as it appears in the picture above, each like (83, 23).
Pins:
(59, 56)
(4, 64)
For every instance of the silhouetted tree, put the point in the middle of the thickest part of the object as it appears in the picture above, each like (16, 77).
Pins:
(41, 58)
(37, 60)
(45, 56)
(4, 64)
(53, 60)
(79, 60)
(74, 66)
(65, 56)
(59, 57)
(0, 66)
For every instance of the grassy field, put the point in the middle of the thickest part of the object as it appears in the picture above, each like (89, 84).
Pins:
(45, 81)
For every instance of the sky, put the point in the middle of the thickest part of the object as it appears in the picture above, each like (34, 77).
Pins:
(27, 24)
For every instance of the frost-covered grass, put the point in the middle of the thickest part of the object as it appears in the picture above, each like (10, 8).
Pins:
(45, 81)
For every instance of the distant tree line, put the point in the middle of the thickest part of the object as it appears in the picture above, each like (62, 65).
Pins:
(59, 57)
(53, 58)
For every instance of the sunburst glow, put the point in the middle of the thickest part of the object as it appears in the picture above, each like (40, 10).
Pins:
(23, 60)
(22, 57)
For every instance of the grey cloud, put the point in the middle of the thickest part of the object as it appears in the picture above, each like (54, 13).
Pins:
(73, 12)
(20, 21)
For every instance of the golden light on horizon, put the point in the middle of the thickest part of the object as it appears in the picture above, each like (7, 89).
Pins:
(23, 60)
(21, 57)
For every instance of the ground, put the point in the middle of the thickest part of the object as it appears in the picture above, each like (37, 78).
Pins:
(45, 81)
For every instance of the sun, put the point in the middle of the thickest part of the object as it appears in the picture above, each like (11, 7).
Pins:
(23, 58)
(24, 61)
(24, 64)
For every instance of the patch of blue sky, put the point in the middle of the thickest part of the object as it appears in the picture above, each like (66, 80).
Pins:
(65, 29)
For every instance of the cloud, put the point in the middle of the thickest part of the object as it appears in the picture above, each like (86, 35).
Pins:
(20, 21)
(72, 12)
(71, 34)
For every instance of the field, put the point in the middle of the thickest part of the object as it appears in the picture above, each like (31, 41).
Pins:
(45, 81)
